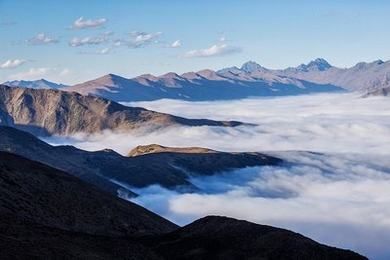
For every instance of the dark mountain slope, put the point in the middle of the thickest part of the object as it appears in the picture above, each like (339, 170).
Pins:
(226, 238)
(100, 167)
(48, 214)
(34, 192)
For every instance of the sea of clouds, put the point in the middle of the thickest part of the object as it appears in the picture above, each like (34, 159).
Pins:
(338, 193)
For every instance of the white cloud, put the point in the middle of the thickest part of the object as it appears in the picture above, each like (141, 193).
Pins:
(138, 39)
(31, 74)
(103, 51)
(54, 74)
(41, 38)
(65, 72)
(176, 44)
(334, 198)
(219, 49)
(11, 64)
(82, 23)
(337, 196)
(76, 41)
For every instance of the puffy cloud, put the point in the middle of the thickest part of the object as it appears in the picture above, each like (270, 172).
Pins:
(41, 38)
(143, 37)
(337, 195)
(11, 64)
(138, 39)
(334, 198)
(76, 41)
(104, 51)
(176, 44)
(82, 23)
(219, 49)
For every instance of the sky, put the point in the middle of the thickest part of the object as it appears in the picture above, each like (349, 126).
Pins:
(74, 41)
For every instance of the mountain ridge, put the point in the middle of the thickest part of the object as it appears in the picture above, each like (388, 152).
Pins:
(37, 84)
(116, 174)
(230, 83)
(49, 111)
(251, 79)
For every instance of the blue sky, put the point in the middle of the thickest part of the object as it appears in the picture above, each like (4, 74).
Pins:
(36, 36)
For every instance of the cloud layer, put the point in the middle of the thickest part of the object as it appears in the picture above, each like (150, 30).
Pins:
(339, 195)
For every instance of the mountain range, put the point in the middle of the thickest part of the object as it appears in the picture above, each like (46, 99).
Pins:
(50, 111)
(145, 165)
(251, 79)
(48, 213)
(37, 84)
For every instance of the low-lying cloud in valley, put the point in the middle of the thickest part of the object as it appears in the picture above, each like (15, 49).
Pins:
(338, 195)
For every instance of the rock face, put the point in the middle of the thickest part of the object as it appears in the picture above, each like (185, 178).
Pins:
(155, 148)
(109, 170)
(46, 213)
(48, 111)
(384, 92)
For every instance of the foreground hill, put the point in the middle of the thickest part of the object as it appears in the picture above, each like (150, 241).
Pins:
(216, 237)
(48, 111)
(46, 213)
(111, 171)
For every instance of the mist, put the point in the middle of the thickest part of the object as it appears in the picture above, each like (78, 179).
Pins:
(338, 193)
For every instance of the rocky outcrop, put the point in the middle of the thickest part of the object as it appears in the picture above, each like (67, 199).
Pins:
(156, 148)
(49, 111)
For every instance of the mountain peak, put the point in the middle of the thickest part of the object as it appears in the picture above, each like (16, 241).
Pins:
(170, 75)
(318, 64)
(251, 66)
(37, 84)
(378, 62)
(233, 69)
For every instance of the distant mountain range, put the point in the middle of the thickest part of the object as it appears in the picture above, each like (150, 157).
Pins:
(229, 83)
(49, 111)
(37, 84)
(251, 79)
